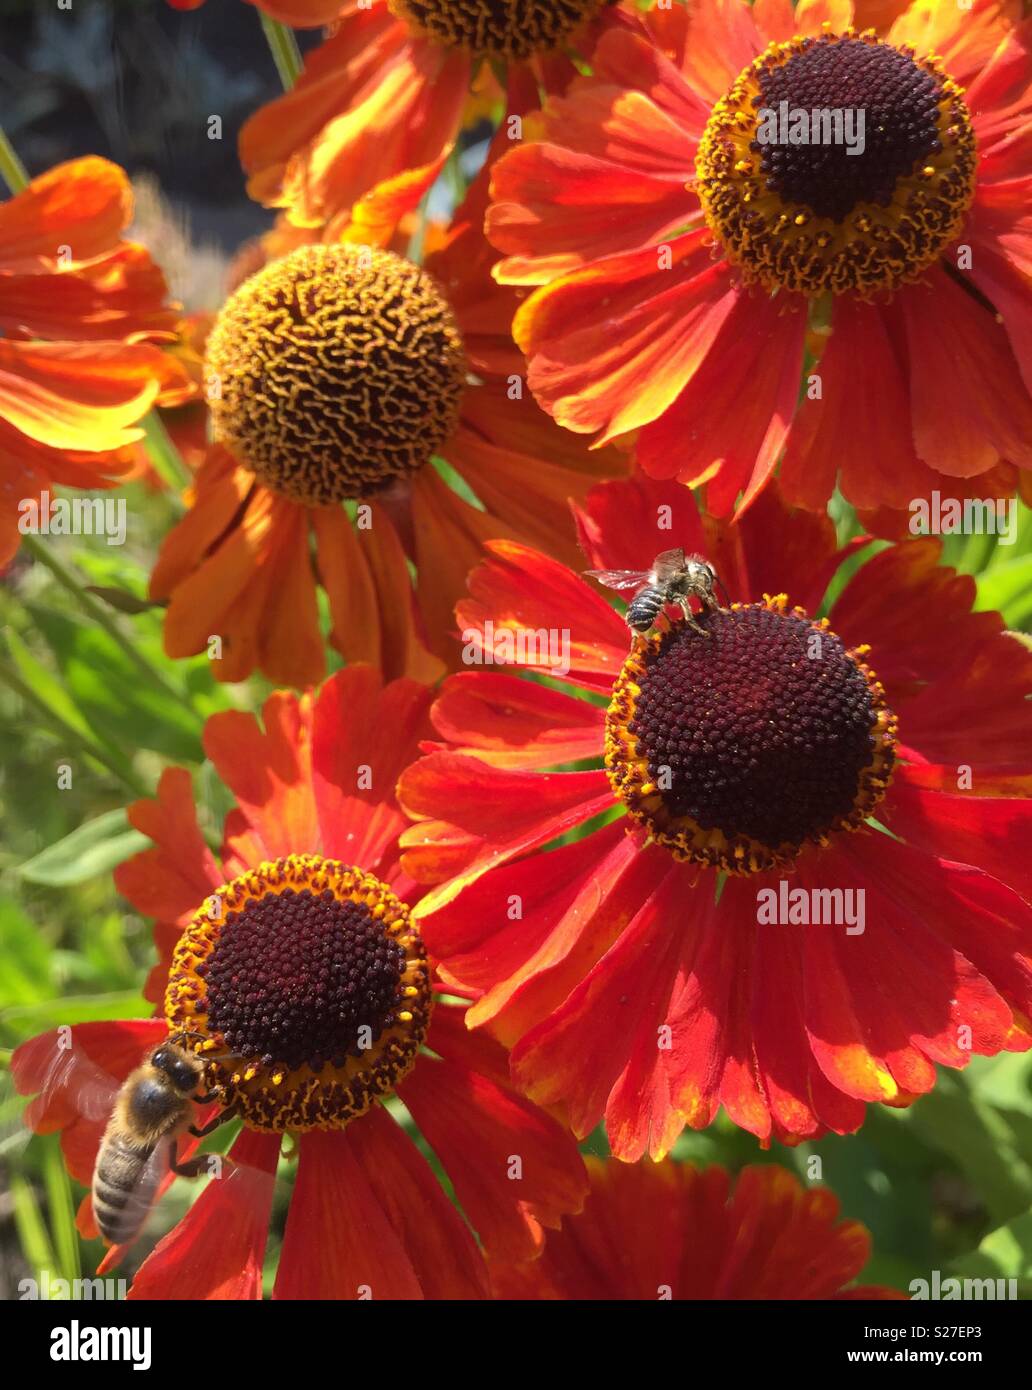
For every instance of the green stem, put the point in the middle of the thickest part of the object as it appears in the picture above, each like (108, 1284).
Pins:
(96, 610)
(90, 750)
(285, 52)
(12, 169)
(164, 455)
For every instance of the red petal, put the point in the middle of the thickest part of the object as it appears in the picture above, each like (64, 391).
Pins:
(493, 814)
(364, 734)
(992, 833)
(612, 345)
(443, 1253)
(339, 1242)
(270, 772)
(483, 1134)
(736, 408)
(859, 430)
(216, 1251)
(75, 1085)
(579, 899)
(525, 594)
(629, 987)
(970, 406)
(984, 921)
(171, 881)
(624, 523)
(516, 723)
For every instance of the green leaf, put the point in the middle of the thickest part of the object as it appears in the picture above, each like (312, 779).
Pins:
(1007, 589)
(46, 687)
(1005, 1253)
(123, 710)
(61, 1207)
(80, 1008)
(92, 849)
(982, 1140)
(25, 959)
(32, 1232)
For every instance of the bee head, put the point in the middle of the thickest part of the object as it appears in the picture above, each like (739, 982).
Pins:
(183, 1070)
(702, 573)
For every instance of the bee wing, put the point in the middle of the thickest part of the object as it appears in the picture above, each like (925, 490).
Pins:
(91, 1089)
(620, 579)
(67, 1084)
(65, 1081)
(668, 563)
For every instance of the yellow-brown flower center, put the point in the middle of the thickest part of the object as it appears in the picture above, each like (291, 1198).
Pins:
(335, 370)
(737, 746)
(306, 984)
(837, 163)
(503, 28)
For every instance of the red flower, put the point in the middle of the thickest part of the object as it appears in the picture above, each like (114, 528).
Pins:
(314, 793)
(631, 982)
(684, 272)
(668, 1231)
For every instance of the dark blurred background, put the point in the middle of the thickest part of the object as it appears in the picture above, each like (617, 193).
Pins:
(137, 81)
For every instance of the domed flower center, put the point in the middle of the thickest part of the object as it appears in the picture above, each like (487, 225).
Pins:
(837, 163)
(333, 371)
(309, 984)
(738, 747)
(503, 28)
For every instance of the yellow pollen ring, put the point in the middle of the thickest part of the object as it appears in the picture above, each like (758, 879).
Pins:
(269, 1096)
(874, 249)
(684, 837)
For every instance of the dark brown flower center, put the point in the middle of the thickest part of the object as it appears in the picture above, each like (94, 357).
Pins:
(839, 163)
(739, 746)
(307, 985)
(296, 977)
(899, 102)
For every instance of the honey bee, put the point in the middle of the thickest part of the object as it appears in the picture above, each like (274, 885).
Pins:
(673, 578)
(151, 1110)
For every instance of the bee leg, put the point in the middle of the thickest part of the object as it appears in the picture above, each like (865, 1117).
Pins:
(206, 1099)
(212, 1125)
(190, 1167)
(690, 619)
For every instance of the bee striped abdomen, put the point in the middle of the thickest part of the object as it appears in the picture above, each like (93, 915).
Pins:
(644, 608)
(124, 1184)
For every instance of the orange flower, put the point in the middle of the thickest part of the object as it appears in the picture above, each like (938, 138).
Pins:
(429, 370)
(313, 919)
(668, 1231)
(77, 304)
(375, 113)
(682, 251)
